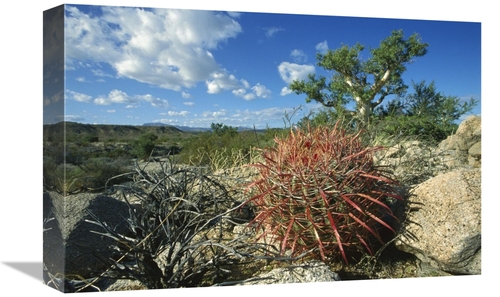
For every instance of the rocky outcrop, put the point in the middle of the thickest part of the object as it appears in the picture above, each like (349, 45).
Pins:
(463, 147)
(305, 273)
(444, 227)
(414, 162)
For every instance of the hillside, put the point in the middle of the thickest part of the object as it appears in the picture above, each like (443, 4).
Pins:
(78, 132)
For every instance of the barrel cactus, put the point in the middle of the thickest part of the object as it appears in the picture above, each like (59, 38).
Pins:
(319, 189)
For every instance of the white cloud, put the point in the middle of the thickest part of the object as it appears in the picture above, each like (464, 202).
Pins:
(78, 96)
(99, 72)
(167, 48)
(292, 71)
(111, 110)
(242, 93)
(298, 56)
(155, 102)
(167, 121)
(259, 117)
(245, 83)
(115, 96)
(270, 32)
(261, 91)
(214, 114)
(178, 113)
(221, 81)
(118, 97)
(234, 14)
(256, 91)
(186, 95)
(73, 118)
(188, 103)
(285, 91)
(322, 46)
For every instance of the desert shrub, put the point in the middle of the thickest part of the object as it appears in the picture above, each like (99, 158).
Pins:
(175, 234)
(224, 158)
(97, 171)
(53, 173)
(54, 151)
(320, 189)
(91, 175)
(62, 178)
(221, 142)
(144, 146)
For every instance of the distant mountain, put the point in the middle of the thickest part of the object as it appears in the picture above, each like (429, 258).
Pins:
(182, 128)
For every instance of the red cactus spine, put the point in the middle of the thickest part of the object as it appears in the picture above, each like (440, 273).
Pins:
(320, 189)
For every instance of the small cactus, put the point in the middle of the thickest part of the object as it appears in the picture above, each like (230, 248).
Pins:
(320, 190)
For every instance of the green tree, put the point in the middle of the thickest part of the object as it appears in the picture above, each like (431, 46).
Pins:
(426, 112)
(427, 101)
(367, 82)
(220, 129)
(143, 147)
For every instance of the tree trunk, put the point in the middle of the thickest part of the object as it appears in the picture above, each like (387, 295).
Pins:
(364, 110)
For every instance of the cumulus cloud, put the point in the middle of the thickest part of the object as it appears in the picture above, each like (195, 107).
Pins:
(261, 91)
(71, 95)
(242, 93)
(285, 91)
(298, 56)
(248, 93)
(155, 102)
(292, 71)
(221, 81)
(322, 46)
(166, 48)
(115, 96)
(118, 97)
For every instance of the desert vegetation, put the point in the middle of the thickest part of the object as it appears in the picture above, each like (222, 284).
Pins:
(309, 190)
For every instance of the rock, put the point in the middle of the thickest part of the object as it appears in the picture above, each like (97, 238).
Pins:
(73, 242)
(475, 155)
(470, 127)
(456, 149)
(313, 271)
(412, 162)
(445, 229)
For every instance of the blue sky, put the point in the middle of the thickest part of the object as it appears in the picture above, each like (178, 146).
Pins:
(129, 65)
